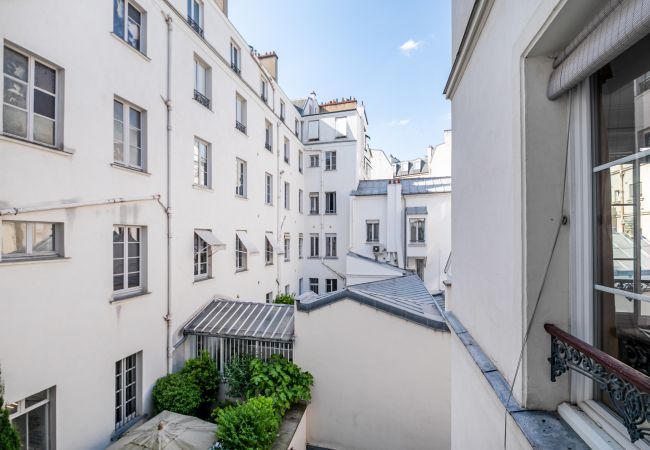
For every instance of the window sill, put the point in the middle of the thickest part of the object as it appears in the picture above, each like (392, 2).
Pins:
(331, 257)
(314, 257)
(314, 214)
(268, 264)
(372, 242)
(32, 260)
(268, 204)
(118, 298)
(330, 170)
(133, 49)
(330, 213)
(417, 244)
(241, 197)
(241, 270)
(130, 169)
(36, 145)
(287, 260)
(200, 187)
(198, 280)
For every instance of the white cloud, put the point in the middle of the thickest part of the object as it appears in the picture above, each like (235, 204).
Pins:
(409, 46)
(400, 122)
(403, 121)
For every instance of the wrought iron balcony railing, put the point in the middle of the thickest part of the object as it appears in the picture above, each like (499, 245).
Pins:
(265, 98)
(240, 126)
(268, 146)
(235, 68)
(202, 99)
(195, 26)
(628, 389)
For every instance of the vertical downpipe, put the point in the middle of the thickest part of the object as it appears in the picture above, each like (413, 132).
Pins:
(168, 104)
(278, 226)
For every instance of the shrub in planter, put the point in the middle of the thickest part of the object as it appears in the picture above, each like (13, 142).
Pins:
(177, 393)
(202, 370)
(238, 375)
(249, 426)
(284, 299)
(9, 438)
(281, 380)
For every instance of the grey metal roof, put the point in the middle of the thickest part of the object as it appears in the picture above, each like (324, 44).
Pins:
(405, 297)
(410, 186)
(300, 104)
(374, 261)
(231, 318)
(413, 210)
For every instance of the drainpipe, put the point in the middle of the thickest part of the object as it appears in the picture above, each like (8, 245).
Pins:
(278, 206)
(110, 201)
(168, 105)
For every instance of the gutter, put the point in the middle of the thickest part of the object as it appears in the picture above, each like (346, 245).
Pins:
(15, 211)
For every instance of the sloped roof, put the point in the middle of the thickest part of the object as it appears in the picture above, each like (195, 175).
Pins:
(300, 104)
(381, 263)
(405, 297)
(410, 186)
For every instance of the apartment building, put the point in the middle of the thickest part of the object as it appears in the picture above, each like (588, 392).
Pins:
(550, 124)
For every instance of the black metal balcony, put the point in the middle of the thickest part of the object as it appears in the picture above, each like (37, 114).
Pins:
(235, 68)
(628, 389)
(268, 146)
(202, 99)
(195, 26)
(240, 126)
(265, 98)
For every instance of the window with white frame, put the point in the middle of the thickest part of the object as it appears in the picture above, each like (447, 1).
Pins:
(297, 128)
(314, 161)
(341, 125)
(287, 247)
(127, 390)
(300, 201)
(34, 417)
(240, 187)
(241, 255)
(269, 297)
(240, 113)
(417, 230)
(287, 289)
(300, 160)
(300, 286)
(330, 160)
(314, 202)
(300, 245)
(195, 15)
(330, 202)
(31, 98)
(314, 245)
(282, 110)
(313, 285)
(287, 150)
(268, 135)
(372, 231)
(235, 58)
(24, 240)
(419, 267)
(331, 284)
(330, 245)
(128, 264)
(202, 258)
(287, 195)
(202, 175)
(312, 130)
(268, 254)
(129, 23)
(202, 75)
(268, 188)
(264, 87)
(128, 125)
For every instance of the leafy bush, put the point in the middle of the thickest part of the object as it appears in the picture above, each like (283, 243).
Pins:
(9, 438)
(250, 426)
(178, 393)
(202, 370)
(238, 374)
(281, 380)
(284, 299)
(221, 405)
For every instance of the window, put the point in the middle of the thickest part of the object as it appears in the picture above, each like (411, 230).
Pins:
(330, 202)
(127, 387)
(300, 239)
(128, 149)
(287, 150)
(240, 187)
(314, 246)
(195, 15)
(202, 258)
(287, 289)
(264, 90)
(287, 247)
(341, 124)
(240, 113)
(419, 267)
(282, 112)
(417, 230)
(287, 192)
(235, 59)
(268, 254)
(300, 201)
(268, 136)
(268, 189)
(241, 255)
(297, 128)
(314, 161)
(202, 175)
(330, 246)
(300, 161)
(372, 231)
(131, 26)
(34, 417)
(31, 240)
(312, 130)
(127, 259)
(269, 297)
(202, 75)
(300, 287)
(314, 202)
(330, 160)
(331, 284)
(30, 98)
(313, 285)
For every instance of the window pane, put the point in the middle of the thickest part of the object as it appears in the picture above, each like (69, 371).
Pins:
(14, 238)
(118, 18)
(14, 121)
(134, 264)
(43, 237)
(135, 156)
(118, 266)
(118, 250)
(134, 235)
(43, 104)
(20, 423)
(134, 118)
(118, 282)
(118, 234)
(15, 64)
(134, 249)
(45, 78)
(43, 130)
(134, 280)
(133, 27)
(15, 93)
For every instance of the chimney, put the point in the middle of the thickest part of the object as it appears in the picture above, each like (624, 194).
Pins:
(270, 62)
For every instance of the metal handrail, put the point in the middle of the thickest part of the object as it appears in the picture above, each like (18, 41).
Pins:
(240, 126)
(268, 146)
(195, 25)
(235, 69)
(202, 99)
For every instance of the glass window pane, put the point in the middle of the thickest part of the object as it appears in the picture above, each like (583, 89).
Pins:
(34, 399)
(14, 121)
(134, 234)
(134, 279)
(118, 266)
(135, 156)
(118, 18)
(15, 64)
(134, 264)
(133, 30)
(134, 118)
(134, 249)
(45, 77)
(43, 240)
(14, 238)
(118, 234)
(37, 419)
(15, 93)
(44, 104)
(44, 130)
(20, 423)
(118, 282)
(118, 250)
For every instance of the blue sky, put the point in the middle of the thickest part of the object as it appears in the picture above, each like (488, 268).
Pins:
(395, 56)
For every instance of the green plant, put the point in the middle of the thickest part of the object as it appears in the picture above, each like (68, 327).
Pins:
(249, 426)
(284, 299)
(178, 393)
(9, 438)
(221, 405)
(202, 370)
(238, 374)
(281, 380)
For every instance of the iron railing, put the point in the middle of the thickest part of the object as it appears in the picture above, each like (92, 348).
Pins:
(235, 68)
(268, 146)
(202, 99)
(195, 26)
(628, 389)
(265, 98)
(240, 126)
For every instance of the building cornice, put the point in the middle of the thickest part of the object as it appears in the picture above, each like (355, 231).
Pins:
(477, 18)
